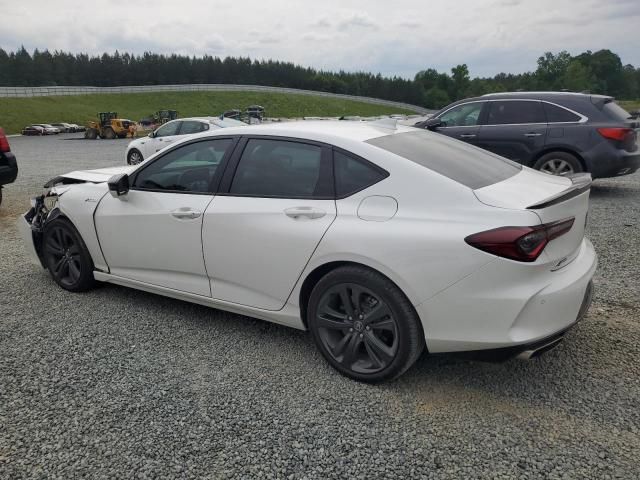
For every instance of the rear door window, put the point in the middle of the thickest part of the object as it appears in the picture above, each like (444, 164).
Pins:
(556, 114)
(168, 129)
(282, 169)
(191, 126)
(512, 112)
(456, 160)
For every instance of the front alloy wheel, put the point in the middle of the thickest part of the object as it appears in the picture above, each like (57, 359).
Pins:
(66, 256)
(134, 157)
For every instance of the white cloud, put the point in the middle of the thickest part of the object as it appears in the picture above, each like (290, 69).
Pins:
(394, 38)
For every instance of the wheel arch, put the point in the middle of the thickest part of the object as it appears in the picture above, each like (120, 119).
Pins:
(553, 148)
(315, 275)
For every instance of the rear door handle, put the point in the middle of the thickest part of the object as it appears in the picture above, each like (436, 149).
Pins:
(532, 134)
(304, 212)
(468, 135)
(185, 213)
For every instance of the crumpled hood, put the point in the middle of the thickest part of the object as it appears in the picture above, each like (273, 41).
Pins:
(98, 175)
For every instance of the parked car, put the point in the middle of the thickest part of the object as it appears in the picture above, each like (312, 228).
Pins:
(378, 240)
(142, 148)
(33, 130)
(48, 129)
(556, 132)
(78, 128)
(8, 164)
(63, 127)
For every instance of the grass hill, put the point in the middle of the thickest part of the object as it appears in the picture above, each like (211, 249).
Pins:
(15, 113)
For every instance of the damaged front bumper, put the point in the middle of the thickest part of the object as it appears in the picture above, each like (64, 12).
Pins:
(31, 225)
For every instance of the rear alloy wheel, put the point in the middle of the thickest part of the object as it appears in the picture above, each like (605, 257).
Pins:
(66, 256)
(364, 325)
(134, 157)
(558, 163)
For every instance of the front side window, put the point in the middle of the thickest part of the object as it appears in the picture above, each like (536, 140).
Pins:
(353, 175)
(168, 129)
(279, 168)
(191, 126)
(189, 168)
(464, 115)
(510, 112)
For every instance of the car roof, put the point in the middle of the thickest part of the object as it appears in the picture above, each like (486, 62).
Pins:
(319, 130)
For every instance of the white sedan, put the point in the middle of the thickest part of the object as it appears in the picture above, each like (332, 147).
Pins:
(382, 241)
(142, 148)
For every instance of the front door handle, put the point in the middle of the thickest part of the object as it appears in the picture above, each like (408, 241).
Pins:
(304, 212)
(186, 213)
(468, 135)
(531, 134)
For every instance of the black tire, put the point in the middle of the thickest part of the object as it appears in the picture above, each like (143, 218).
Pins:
(558, 163)
(108, 133)
(380, 340)
(134, 157)
(66, 256)
(91, 133)
(0, 195)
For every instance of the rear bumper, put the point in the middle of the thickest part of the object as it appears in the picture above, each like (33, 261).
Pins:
(499, 306)
(610, 162)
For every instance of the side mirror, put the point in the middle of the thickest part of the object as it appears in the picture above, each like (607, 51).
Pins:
(118, 185)
(430, 124)
(152, 135)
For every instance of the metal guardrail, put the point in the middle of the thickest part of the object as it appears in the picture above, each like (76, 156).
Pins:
(214, 87)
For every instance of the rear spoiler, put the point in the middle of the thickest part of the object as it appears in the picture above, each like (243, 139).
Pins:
(580, 183)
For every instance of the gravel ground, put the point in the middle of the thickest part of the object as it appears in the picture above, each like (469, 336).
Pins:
(117, 383)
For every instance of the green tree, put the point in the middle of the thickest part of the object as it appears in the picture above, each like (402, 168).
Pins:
(577, 77)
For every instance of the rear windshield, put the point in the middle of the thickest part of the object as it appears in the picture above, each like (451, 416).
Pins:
(615, 111)
(456, 160)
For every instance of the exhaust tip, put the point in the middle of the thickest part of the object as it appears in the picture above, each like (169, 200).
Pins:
(536, 352)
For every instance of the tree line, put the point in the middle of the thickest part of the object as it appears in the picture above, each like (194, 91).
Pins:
(597, 72)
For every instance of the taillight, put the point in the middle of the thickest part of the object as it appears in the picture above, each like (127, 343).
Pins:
(524, 244)
(619, 134)
(4, 143)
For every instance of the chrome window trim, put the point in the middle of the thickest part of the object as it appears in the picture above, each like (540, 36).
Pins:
(582, 118)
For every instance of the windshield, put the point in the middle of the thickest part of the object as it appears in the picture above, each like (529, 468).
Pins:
(456, 160)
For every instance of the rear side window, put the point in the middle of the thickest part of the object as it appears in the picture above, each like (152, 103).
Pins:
(515, 112)
(557, 114)
(168, 129)
(190, 126)
(615, 111)
(353, 175)
(470, 166)
(284, 169)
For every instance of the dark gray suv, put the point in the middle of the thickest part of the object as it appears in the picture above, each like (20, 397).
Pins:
(556, 132)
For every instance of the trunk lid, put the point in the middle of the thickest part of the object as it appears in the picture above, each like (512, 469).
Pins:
(552, 199)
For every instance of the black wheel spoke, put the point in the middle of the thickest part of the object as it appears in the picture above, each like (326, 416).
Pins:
(346, 301)
(381, 350)
(74, 270)
(379, 315)
(324, 322)
(351, 350)
(52, 247)
(339, 348)
(57, 268)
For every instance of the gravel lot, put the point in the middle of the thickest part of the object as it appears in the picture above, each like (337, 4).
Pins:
(117, 383)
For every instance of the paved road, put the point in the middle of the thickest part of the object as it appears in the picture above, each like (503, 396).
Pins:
(117, 383)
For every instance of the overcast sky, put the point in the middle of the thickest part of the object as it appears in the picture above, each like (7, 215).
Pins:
(397, 37)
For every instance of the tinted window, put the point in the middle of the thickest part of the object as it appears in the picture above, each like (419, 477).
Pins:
(167, 129)
(191, 126)
(456, 160)
(189, 168)
(513, 112)
(462, 115)
(615, 111)
(559, 114)
(277, 168)
(353, 175)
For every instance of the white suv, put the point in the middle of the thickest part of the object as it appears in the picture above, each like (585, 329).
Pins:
(143, 148)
